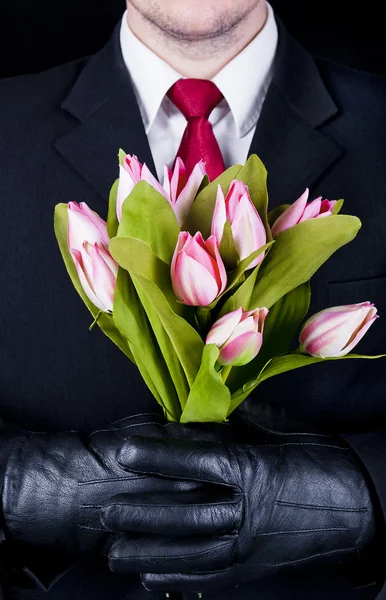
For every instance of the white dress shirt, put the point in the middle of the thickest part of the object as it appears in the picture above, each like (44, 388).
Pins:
(243, 82)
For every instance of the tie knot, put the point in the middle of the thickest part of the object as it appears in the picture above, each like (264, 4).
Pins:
(195, 97)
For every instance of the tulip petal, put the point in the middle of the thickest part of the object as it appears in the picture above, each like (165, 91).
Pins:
(237, 189)
(178, 180)
(248, 230)
(196, 248)
(187, 195)
(77, 257)
(148, 176)
(181, 240)
(103, 278)
(359, 334)
(327, 207)
(241, 350)
(312, 210)
(98, 223)
(221, 274)
(125, 187)
(192, 284)
(132, 165)
(219, 216)
(330, 332)
(85, 225)
(224, 327)
(291, 216)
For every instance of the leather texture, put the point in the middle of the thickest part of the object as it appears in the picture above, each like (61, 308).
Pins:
(55, 484)
(275, 501)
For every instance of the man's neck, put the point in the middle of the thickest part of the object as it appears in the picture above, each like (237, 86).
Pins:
(198, 58)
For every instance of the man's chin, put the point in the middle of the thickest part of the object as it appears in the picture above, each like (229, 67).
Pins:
(194, 20)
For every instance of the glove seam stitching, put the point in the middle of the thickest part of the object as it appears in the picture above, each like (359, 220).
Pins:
(322, 507)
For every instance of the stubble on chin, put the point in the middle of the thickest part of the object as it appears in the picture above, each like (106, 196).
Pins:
(223, 31)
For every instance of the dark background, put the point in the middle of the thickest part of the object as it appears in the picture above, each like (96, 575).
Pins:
(37, 34)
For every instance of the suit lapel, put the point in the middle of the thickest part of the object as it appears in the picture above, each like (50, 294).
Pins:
(108, 118)
(288, 137)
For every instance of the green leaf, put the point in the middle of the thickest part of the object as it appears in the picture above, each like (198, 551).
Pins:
(201, 213)
(154, 277)
(209, 397)
(148, 216)
(204, 183)
(242, 295)
(254, 175)
(227, 248)
(285, 363)
(289, 362)
(112, 221)
(281, 326)
(338, 207)
(131, 319)
(298, 253)
(137, 257)
(275, 213)
(104, 321)
(147, 294)
(121, 156)
(234, 277)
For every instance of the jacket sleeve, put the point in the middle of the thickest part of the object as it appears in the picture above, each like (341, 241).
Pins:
(20, 566)
(370, 447)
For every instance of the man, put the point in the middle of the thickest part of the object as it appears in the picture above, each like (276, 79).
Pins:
(288, 500)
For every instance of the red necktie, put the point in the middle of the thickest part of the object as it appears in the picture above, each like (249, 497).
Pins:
(196, 98)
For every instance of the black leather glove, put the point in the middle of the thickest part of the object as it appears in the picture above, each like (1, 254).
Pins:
(55, 484)
(281, 501)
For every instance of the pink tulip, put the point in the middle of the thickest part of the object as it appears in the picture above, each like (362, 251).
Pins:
(300, 211)
(247, 227)
(238, 335)
(335, 331)
(182, 190)
(88, 242)
(197, 271)
(132, 172)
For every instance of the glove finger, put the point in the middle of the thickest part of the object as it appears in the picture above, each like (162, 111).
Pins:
(189, 582)
(172, 514)
(180, 459)
(169, 555)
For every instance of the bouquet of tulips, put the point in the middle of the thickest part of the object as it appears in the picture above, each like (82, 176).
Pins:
(203, 288)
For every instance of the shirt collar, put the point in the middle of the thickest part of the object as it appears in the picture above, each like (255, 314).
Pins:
(151, 76)
(243, 82)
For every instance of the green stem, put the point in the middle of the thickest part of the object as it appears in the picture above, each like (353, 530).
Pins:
(225, 373)
(95, 321)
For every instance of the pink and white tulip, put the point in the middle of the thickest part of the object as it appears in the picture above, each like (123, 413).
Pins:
(247, 227)
(131, 172)
(335, 331)
(88, 242)
(238, 335)
(181, 190)
(197, 271)
(300, 211)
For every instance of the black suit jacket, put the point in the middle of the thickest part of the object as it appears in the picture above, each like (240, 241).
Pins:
(322, 126)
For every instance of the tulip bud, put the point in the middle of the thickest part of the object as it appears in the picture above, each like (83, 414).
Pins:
(300, 211)
(197, 271)
(131, 172)
(238, 335)
(181, 190)
(88, 242)
(247, 227)
(335, 331)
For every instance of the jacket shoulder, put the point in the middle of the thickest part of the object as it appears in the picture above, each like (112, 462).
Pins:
(28, 96)
(354, 91)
